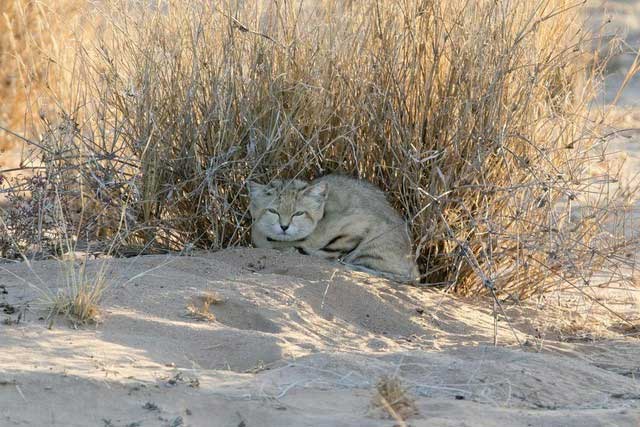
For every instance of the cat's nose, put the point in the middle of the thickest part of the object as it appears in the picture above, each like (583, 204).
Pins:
(284, 227)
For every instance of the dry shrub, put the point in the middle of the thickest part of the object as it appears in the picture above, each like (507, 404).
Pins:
(474, 117)
(26, 219)
(33, 37)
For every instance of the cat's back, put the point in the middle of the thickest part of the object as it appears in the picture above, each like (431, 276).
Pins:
(352, 196)
(361, 228)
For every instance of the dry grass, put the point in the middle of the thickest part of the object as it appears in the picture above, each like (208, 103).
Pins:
(474, 117)
(199, 307)
(79, 299)
(392, 397)
(79, 296)
(33, 37)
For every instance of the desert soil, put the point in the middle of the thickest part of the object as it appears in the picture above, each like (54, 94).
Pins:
(295, 341)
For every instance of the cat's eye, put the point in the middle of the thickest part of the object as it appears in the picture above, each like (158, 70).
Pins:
(273, 211)
(298, 213)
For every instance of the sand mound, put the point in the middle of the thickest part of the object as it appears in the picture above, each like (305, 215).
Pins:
(295, 341)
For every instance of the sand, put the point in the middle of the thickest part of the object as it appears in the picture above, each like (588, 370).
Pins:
(295, 342)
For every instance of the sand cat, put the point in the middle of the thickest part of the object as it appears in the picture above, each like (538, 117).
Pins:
(334, 217)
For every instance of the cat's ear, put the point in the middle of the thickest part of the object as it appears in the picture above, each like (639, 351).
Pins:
(255, 189)
(318, 191)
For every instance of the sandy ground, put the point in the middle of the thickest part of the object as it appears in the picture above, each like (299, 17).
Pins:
(295, 342)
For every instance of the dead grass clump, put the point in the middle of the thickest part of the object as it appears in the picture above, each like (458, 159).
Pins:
(79, 299)
(392, 397)
(79, 296)
(35, 225)
(474, 117)
(200, 305)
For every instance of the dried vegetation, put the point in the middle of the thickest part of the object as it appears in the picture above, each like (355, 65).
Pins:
(475, 117)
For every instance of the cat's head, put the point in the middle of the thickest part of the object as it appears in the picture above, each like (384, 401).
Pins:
(287, 210)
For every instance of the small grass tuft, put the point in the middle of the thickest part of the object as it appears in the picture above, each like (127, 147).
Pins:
(393, 398)
(198, 308)
(79, 299)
